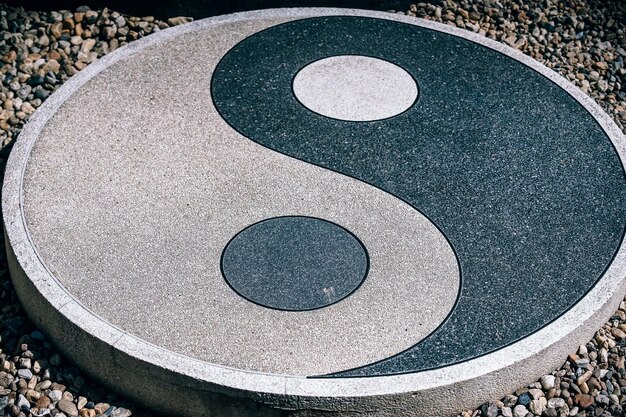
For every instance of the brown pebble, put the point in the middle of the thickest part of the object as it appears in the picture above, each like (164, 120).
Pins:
(56, 29)
(54, 54)
(67, 407)
(584, 377)
(68, 23)
(584, 401)
(179, 20)
(82, 401)
(100, 408)
(593, 383)
(32, 395)
(618, 333)
(600, 65)
(43, 402)
(86, 412)
(108, 32)
(58, 387)
(52, 66)
(9, 57)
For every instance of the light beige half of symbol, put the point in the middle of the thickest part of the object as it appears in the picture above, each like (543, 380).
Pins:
(133, 190)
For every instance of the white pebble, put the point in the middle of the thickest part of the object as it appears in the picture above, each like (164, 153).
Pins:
(547, 382)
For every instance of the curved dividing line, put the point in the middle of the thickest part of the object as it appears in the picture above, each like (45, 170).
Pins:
(456, 256)
(404, 201)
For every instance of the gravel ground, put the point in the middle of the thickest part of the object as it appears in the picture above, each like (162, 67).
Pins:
(585, 41)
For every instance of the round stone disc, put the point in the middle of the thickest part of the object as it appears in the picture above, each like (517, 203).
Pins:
(324, 210)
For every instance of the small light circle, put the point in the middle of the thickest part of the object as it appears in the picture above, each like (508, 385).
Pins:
(355, 88)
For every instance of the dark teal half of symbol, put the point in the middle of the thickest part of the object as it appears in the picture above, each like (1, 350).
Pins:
(518, 176)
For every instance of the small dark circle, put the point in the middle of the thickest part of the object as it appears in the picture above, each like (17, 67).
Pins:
(295, 263)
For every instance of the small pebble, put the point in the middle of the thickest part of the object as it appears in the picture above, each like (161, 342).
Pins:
(67, 407)
(55, 395)
(547, 382)
(24, 373)
(584, 400)
(520, 411)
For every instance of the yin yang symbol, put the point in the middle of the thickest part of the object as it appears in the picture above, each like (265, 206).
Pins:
(530, 207)
(315, 194)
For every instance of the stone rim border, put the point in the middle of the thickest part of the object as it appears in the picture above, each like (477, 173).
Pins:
(550, 343)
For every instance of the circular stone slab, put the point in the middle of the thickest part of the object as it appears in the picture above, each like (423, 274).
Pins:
(325, 210)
